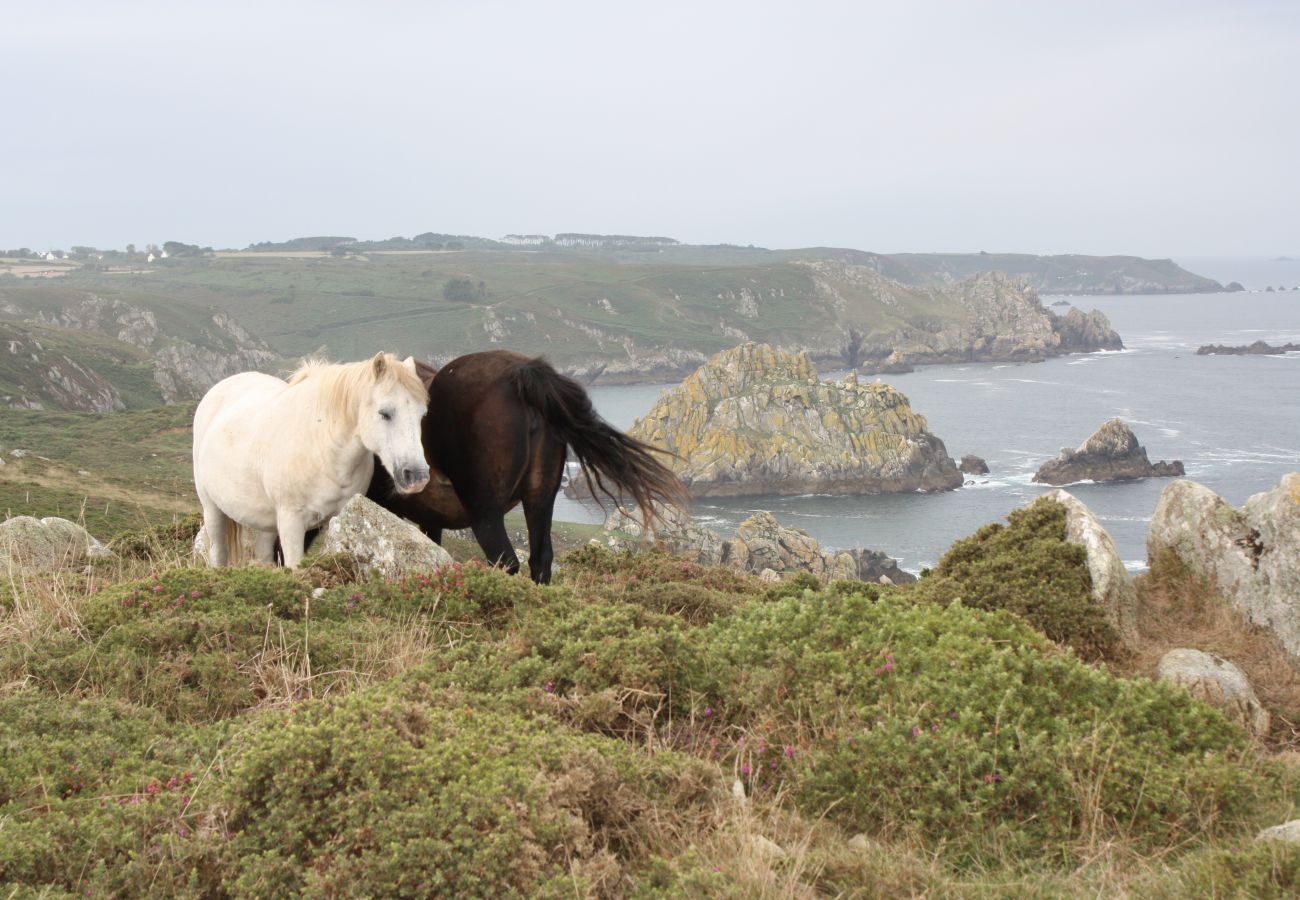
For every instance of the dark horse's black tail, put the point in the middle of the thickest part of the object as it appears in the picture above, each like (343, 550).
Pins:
(606, 453)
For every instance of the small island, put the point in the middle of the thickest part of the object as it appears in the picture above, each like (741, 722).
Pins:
(1112, 453)
(1259, 348)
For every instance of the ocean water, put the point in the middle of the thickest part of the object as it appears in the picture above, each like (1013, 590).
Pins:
(1234, 421)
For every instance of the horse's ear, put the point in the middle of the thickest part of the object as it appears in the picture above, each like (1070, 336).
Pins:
(409, 362)
(380, 363)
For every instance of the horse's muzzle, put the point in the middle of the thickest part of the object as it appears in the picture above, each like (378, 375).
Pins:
(411, 479)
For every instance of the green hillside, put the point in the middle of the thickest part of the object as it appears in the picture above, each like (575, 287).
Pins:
(576, 308)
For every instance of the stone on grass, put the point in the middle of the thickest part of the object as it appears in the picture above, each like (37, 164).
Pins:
(1288, 832)
(49, 543)
(1217, 682)
(377, 539)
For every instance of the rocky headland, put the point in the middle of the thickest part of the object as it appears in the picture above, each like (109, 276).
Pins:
(756, 420)
(1112, 453)
(997, 318)
(1259, 348)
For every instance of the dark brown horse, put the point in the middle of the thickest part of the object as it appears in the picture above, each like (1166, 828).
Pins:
(499, 425)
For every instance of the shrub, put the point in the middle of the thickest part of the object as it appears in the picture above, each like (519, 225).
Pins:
(169, 542)
(99, 798)
(593, 564)
(393, 793)
(1028, 568)
(967, 728)
(189, 642)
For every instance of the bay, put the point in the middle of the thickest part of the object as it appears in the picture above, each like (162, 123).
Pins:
(1233, 420)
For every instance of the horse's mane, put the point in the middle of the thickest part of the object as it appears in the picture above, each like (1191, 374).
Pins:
(341, 384)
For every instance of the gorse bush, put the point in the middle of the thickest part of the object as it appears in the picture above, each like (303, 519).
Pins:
(101, 798)
(968, 728)
(1028, 568)
(393, 793)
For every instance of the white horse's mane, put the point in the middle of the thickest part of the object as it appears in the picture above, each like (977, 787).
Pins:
(340, 384)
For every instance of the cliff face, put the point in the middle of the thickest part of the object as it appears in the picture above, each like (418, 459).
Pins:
(987, 317)
(184, 367)
(755, 420)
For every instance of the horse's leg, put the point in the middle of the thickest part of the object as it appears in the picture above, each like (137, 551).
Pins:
(214, 525)
(490, 531)
(540, 552)
(293, 532)
(264, 547)
(546, 470)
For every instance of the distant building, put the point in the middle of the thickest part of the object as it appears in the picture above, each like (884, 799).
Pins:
(526, 240)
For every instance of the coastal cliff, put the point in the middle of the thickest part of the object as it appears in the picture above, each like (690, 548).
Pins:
(755, 420)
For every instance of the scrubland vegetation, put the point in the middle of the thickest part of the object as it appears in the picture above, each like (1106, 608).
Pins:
(644, 727)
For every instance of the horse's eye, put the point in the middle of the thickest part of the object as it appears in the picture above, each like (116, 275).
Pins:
(385, 415)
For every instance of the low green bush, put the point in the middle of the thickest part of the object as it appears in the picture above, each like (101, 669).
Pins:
(394, 793)
(966, 728)
(1028, 568)
(99, 798)
(169, 541)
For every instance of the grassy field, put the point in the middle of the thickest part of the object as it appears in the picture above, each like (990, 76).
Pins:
(112, 471)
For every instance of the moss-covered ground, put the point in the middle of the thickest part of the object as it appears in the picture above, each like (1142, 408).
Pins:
(643, 727)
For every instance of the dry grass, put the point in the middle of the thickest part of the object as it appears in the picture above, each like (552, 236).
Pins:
(1178, 609)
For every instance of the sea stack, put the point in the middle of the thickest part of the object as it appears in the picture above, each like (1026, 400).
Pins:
(1111, 454)
(756, 420)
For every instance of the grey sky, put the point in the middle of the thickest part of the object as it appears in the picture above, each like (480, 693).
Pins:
(1151, 128)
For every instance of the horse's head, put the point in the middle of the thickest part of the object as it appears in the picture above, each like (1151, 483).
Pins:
(388, 421)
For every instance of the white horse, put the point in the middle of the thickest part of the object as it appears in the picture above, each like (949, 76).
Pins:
(283, 457)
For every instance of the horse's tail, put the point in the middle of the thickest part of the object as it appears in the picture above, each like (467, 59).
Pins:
(606, 454)
(234, 543)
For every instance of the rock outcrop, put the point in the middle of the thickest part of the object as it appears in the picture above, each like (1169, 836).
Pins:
(50, 543)
(987, 317)
(1111, 586)
(761, 545)
(1259, 348)
(1217, 682)
(973, 465)
(1082, 332)
(377, 539)
(184, 367)
(1112, 453)
(756, 420)
(1251, 555)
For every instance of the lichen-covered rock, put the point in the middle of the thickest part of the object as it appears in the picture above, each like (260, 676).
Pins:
(29, 543)
(1111, 586)
(1217, 682)
(757, 420)
(675, 529)
(973, 465)
(1251, 555)
(377, 539)
(1112, 453)
(760, 545)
